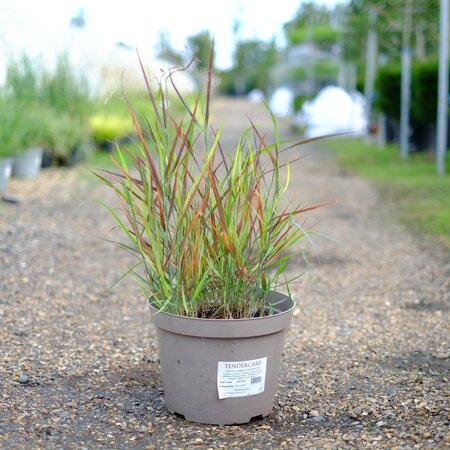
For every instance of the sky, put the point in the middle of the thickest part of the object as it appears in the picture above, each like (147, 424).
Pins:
(42, 27)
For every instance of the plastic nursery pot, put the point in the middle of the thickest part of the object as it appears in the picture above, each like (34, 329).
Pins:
(5, 172)
(220, 371)
(28, 163)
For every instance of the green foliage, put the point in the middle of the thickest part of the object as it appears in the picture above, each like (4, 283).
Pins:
(112, 123)
(116, 105)
(66, 91)
(63, 89)
(63, 135)
(45, 108)
(388, 90)
(324, 72)
(228, 82)
(200, 46)
(9, 124)
(208, 226)
(299, 100)
(388, 23)
(22, 126)
(167, 53)
(105, 160)
(253, 61)
(109, 128)
(425, 91)
(322, 35)
(318, 27)
(312, 23)
(23, 80)
(412, 186)
(423, 95)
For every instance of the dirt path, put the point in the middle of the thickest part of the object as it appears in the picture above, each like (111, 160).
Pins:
(366, 363)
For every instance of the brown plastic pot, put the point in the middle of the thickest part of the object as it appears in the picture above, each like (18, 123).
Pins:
(220, 371)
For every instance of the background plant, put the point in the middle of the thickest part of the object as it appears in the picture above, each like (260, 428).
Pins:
(21, 126)
(108, 129)
(208, 226)
(46, 108)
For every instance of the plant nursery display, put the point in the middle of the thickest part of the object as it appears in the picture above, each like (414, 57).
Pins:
(213, 236)
(44, 113)
(20, 138)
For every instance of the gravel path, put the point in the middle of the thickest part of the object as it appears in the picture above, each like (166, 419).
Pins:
(366, 360)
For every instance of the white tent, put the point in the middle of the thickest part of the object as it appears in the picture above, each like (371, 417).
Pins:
(281, 102)
(333, 110)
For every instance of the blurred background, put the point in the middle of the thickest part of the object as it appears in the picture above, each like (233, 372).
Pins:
(377, 69)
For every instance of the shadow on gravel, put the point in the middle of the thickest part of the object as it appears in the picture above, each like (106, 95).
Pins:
(431, 307)
(419, 363)
(329, 260)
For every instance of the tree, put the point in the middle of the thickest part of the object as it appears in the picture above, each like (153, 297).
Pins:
(312, 24)
(312, 57)
(252, 64)
(167, 53)
(389, 27)
(200, 47)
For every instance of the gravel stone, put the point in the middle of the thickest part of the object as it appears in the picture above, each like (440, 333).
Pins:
(23, 379)
(368, 344)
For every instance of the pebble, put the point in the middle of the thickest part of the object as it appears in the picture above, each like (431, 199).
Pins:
(317, 419)
(23, 378)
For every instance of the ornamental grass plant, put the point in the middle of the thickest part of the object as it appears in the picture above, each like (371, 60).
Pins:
(45, 108)
(209, 226)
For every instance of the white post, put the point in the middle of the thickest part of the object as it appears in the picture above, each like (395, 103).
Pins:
(310, 69)
(381, 132)
(406, 82)
(371, 61)
(442, 110)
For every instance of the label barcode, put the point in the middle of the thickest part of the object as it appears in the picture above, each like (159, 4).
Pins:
(255, 380)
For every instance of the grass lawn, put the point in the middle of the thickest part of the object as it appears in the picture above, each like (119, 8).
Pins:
(422, 197)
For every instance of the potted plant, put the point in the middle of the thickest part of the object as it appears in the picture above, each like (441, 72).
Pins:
(50, 111)
(65, 140)
(28, 128)
(212, 237)
(8, 141)
(108, 130)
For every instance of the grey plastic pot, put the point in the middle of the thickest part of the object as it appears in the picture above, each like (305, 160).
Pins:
(220, 371)
(5, 172)
(28, 163)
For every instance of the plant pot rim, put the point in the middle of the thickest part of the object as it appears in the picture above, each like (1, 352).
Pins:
(30, 151)
(228, 328)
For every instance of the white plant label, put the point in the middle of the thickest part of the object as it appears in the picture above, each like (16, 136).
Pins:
(241, 378)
